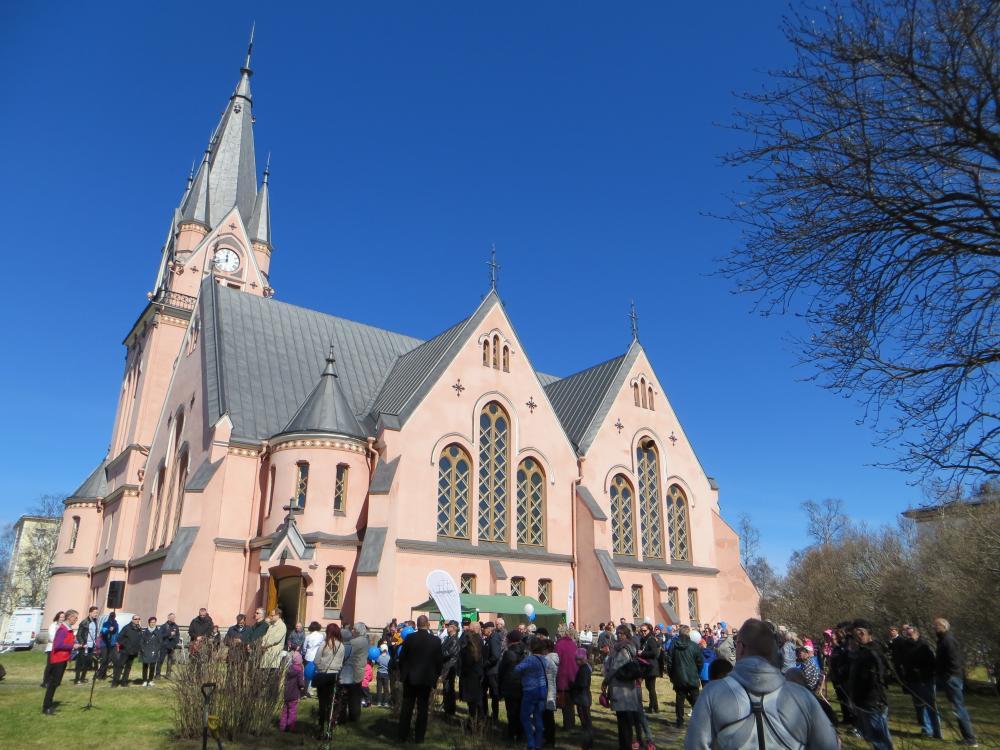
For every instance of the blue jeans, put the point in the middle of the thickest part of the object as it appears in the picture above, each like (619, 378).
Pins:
(926, 707)
(954, 688)
(532, 707)
(873, 723)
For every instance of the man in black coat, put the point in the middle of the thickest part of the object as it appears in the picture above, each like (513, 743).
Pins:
(201, 626)
(950, 673)
(917, 674)
(170, 641)
(420, 662)
(129, 644)
(492, 651)
(510, 685)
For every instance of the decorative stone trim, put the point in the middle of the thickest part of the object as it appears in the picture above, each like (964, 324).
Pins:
(170, 320)
(678, 568)
(108, 565)
(344, 444)
(149, 557)
(82, 503)
(235, 450)
(68, 570)
(221, 543)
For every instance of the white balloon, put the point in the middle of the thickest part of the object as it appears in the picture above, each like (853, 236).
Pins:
(529, 609)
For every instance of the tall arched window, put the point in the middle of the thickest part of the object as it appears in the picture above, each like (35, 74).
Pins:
(486, 353)
(642, 392)
(301, 484)
(530, 503)
(494, 446)
(677, 520)
(182, 476)
(170, 493)
(158, 490)
(506, 358)
(635, 393)
(650, 397)
(622, 531)
(340, 489)
(454, 469)
(650, 523)
(496, 352)
(74, 532)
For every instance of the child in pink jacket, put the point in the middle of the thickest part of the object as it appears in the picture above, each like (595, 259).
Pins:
(295, 685)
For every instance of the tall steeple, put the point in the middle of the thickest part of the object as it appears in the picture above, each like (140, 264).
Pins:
(196, 205)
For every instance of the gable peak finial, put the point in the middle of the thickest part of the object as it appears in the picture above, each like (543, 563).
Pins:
(246, 65)
(494, 267)
(633, 318)
(331, 360)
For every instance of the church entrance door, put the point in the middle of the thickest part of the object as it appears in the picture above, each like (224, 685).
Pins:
(291, 594)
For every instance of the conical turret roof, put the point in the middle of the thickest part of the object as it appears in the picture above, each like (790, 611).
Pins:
(326, 409)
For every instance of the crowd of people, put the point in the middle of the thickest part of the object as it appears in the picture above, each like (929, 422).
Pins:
(732, 689)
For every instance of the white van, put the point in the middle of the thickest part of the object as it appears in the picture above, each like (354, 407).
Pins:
(25, 624)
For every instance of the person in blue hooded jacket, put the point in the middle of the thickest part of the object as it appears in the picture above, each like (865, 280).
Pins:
(109, 639)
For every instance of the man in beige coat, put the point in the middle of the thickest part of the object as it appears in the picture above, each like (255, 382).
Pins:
(273, 641)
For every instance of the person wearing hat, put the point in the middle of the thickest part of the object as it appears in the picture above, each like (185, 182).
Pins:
(492, 650)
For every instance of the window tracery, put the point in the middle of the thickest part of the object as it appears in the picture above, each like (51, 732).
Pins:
(651, 527)
(678, 521)
(454, 469)
(622, 530)
(530, 504)
(494, 448)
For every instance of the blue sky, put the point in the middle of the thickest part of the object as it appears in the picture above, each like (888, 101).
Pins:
(583, 139)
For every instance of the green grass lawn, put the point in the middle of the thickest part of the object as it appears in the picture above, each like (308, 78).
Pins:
(143, 718)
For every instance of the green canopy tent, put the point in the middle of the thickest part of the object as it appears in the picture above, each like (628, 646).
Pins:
(511, 608)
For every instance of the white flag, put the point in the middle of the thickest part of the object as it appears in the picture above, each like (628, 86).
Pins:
(569, 601)
(445, 594)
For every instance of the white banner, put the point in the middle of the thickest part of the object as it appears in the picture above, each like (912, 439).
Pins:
(443, 590)
(569, 602)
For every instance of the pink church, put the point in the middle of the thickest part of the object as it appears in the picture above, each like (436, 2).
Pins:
(263, 452)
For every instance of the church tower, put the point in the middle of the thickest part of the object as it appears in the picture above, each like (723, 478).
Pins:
(222, 228)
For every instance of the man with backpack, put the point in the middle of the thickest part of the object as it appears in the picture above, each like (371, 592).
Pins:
(684, 662)
(755, 707)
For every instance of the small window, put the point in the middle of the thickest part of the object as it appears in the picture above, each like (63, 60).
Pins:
(673, 600)
(468, 585)
(301, 485)
(496, 352)
(642, 390)
(517, 586)
(650, 397)
(74, 532)
(506, 358)
(637, 603)
(340, 491)
(545, 591)
(486, 353)
(693, 606)
(333, 593)
(635, 393)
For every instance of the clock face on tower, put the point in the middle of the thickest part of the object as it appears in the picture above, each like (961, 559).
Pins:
(226, 260)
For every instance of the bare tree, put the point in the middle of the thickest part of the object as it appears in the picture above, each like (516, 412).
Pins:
(749, 541)
(874, 211)
(826, 520)
(25, 582)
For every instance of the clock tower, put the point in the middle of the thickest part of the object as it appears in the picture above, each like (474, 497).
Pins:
(221, 228)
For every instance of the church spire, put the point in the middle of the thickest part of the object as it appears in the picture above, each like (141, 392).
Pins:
(259, 226)
(196, 206)
(325, 408)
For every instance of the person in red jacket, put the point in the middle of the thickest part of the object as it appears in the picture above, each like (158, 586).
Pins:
(62, 648)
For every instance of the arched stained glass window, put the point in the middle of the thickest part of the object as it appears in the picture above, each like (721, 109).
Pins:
(182, 476)
(622, 530)
(494, 447)
(301, 484)
(454, 470)
(158, 492)
(678, 521)
(530, 503)
(650, 518)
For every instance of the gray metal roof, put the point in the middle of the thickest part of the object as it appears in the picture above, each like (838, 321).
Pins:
(371, 551)
(179, 549)
(660, 583)
(582, 400)
(412, 369)
(496, 568)
(590, 503)
(381, 482)
(609, 569)
(261, 357)
(234, 168)
(196, 205)
(94, 487)
(326, 408)
(202, 476)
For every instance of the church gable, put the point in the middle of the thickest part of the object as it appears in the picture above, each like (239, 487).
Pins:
(225, 251)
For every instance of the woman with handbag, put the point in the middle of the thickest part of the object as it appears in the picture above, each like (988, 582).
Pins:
(619, 688)
(328, 663)
(314, 640)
